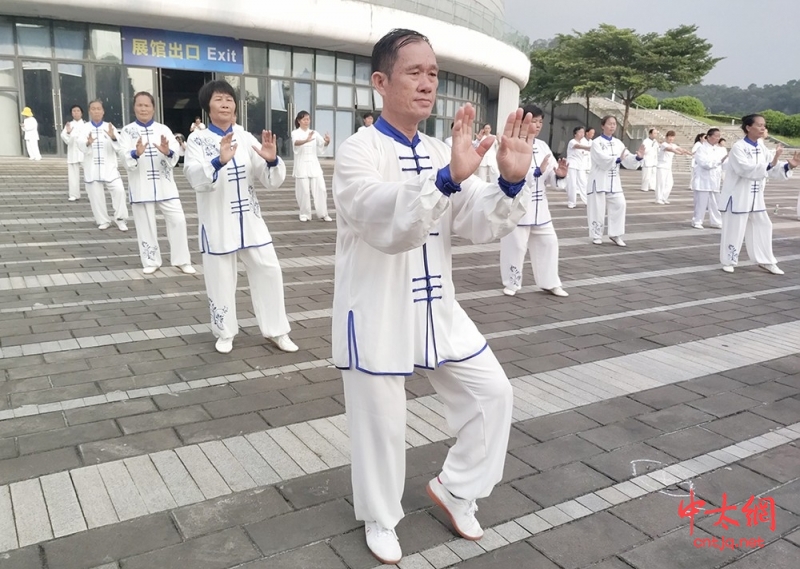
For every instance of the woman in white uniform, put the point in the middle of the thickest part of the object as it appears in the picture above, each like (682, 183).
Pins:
(30, 130)
(307, 172)
(577, 156)
(706, 179)
(69, 134)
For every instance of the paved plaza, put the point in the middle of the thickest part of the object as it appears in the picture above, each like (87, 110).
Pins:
(661, 386)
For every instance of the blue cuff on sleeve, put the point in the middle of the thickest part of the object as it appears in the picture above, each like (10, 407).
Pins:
(273, 163)
(171, 153)
(639, 158)
(619, 160)
(786, 168)
(509, 189)
(216, 164)
(133, 155)
(537, 172)
(445, 183)
(769, 167)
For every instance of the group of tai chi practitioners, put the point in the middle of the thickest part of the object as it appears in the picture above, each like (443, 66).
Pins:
(401, 196)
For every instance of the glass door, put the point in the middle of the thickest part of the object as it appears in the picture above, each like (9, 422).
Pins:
(39, 95)
(279, 111)
(71, 91)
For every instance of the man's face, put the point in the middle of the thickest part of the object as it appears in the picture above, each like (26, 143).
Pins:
(143, 109)
(368, 121)
(670, 139)
(96, 112)
(654, 134)
(410, 91)
(77, 114)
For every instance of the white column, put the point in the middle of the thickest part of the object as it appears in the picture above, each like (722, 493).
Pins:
(507, 100)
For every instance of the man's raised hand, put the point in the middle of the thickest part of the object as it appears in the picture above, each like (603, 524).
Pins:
(516, 147)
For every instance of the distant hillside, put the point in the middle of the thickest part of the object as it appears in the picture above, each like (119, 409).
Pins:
(721, 99)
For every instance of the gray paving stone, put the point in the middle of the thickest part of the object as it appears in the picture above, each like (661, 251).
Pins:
(786, 411)
(194, 396)
(351, 547)
(788, 496)
(561, 484)
(420, 531)
(118, 541)
(271, 383)
(162, 419)
(724, 404)
(8, 449)
(675, 418)
(129, 445)
(676, 551)
(504, 504)
(610, 563)
(556, 425)
(736, 482)
(789, 364)
(317, 556)
(53, 394)
(302, 412)
(663, 397)
(779, 555)
(69, 436)
(767, 391)
(320, 522)
(754, 374)
(514, 468)
(301, 393)
(613, 410)
(654, 514)
(544, 456)
(619, 463)
(794, 537)
(742, 426)
(317, 488)
(781, 463)
(519, 439)
(518, 555)
(627, 431)
(32, 424)
(587, 540)
(215, 551)
(785, 521)
(690, 442)
(25, 558)
(221, 428)
(711, 385)
(242, 405)
(33, 465)
(109, 411)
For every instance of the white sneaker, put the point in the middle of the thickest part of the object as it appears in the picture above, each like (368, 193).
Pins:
(188, 269)
(571, 205)
(383, 543)
(509, 292)
(103, 226)
(303, 218)
(715, 226)
(697, 226)
(150, 270)
(461, 512)
(72, 199)
(122, 225)
(772, 269)
(597, 241)
(284, 342)
(666, 202)
(727, 268)
(618, 241)
(224, 345)
(660, 202)
(327, 218)
(557, 291)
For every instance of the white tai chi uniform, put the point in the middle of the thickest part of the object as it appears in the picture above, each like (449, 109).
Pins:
(695, 148)
(393, 265)
(578, 171)
(534, 233)
(231, 228)
(744, 213)
(605, 185)
(706, 180)
(74, 157)
(307, 172)
(649, 162)
(487, 171)
(30, 128)
(664, 179)
(151, 181)
(100, 169)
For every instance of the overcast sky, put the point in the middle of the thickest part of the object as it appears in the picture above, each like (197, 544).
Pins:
(772, 57)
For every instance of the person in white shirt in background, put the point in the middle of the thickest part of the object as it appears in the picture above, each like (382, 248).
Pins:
(449, 140)
(706, 179)
(69, 134)
(369, 118)
(98, 139)
(744, 213)
(650, 160)
(577, 174)
(30, 131)
(487, 171)
(605, 184)
(664, 179)
(698, 140)
(307, 171)
(196, 125)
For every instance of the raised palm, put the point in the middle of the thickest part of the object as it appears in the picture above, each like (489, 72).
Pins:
(269, 146)
(227, 148)
(516, 147)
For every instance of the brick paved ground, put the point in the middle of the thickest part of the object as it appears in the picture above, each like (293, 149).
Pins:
(127, 441)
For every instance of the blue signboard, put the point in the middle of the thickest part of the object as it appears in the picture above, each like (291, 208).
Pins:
(179, 50)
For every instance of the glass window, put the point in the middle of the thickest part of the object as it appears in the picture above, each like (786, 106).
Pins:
(344, 96)
(451, 85)
(255, 105)
(279, 115)
(235, 81)
(326, 66)
(459, 86)
(107, 88)
(363, 71)
(106, 45)
(37, 80)
(439, 106)
(255, 60)
(324, 94)
(439, 129)
(303, 64)
(9, 122)
(140, 79)
(72, 89)
(345, 69)
(6, 38)
(441, 89)
(8, 77)
(450, 108)
(363, 97)
(323, 123)
(344, 128)
(71, 42)
(280, 62)
(34, 40)
(378, 100)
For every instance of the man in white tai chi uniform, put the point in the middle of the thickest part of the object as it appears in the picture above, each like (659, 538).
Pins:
(69, 134)
(650, 160)
(400, 198)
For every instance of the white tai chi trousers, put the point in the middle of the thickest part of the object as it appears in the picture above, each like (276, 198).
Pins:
(755, 229)
(664, 183)
(648, 178)
(706, 201)
(266, 291)
(576, 185)
(486, 173)
(304, 188)
(596, 212)
(542, 244)
(478, 401)
(144, 216)
(33, 149)
(74, 177)
(97, 199)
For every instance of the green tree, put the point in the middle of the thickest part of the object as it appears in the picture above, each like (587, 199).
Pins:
(775, 120)
(686, 105)
(646, 101)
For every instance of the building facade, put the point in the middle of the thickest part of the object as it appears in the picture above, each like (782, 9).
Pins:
(282, 57)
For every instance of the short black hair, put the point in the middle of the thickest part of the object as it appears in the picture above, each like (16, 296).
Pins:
(100, 101)
(76, 107)
(669, 133)
(207, 91)
(577, 129)
(722, 140)
(384, 53)
(533, 110)
(366, 115)
(650, 131)
(144, 94)
(300, 115)
(749, 120)
(712, 132)
(606, 118)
